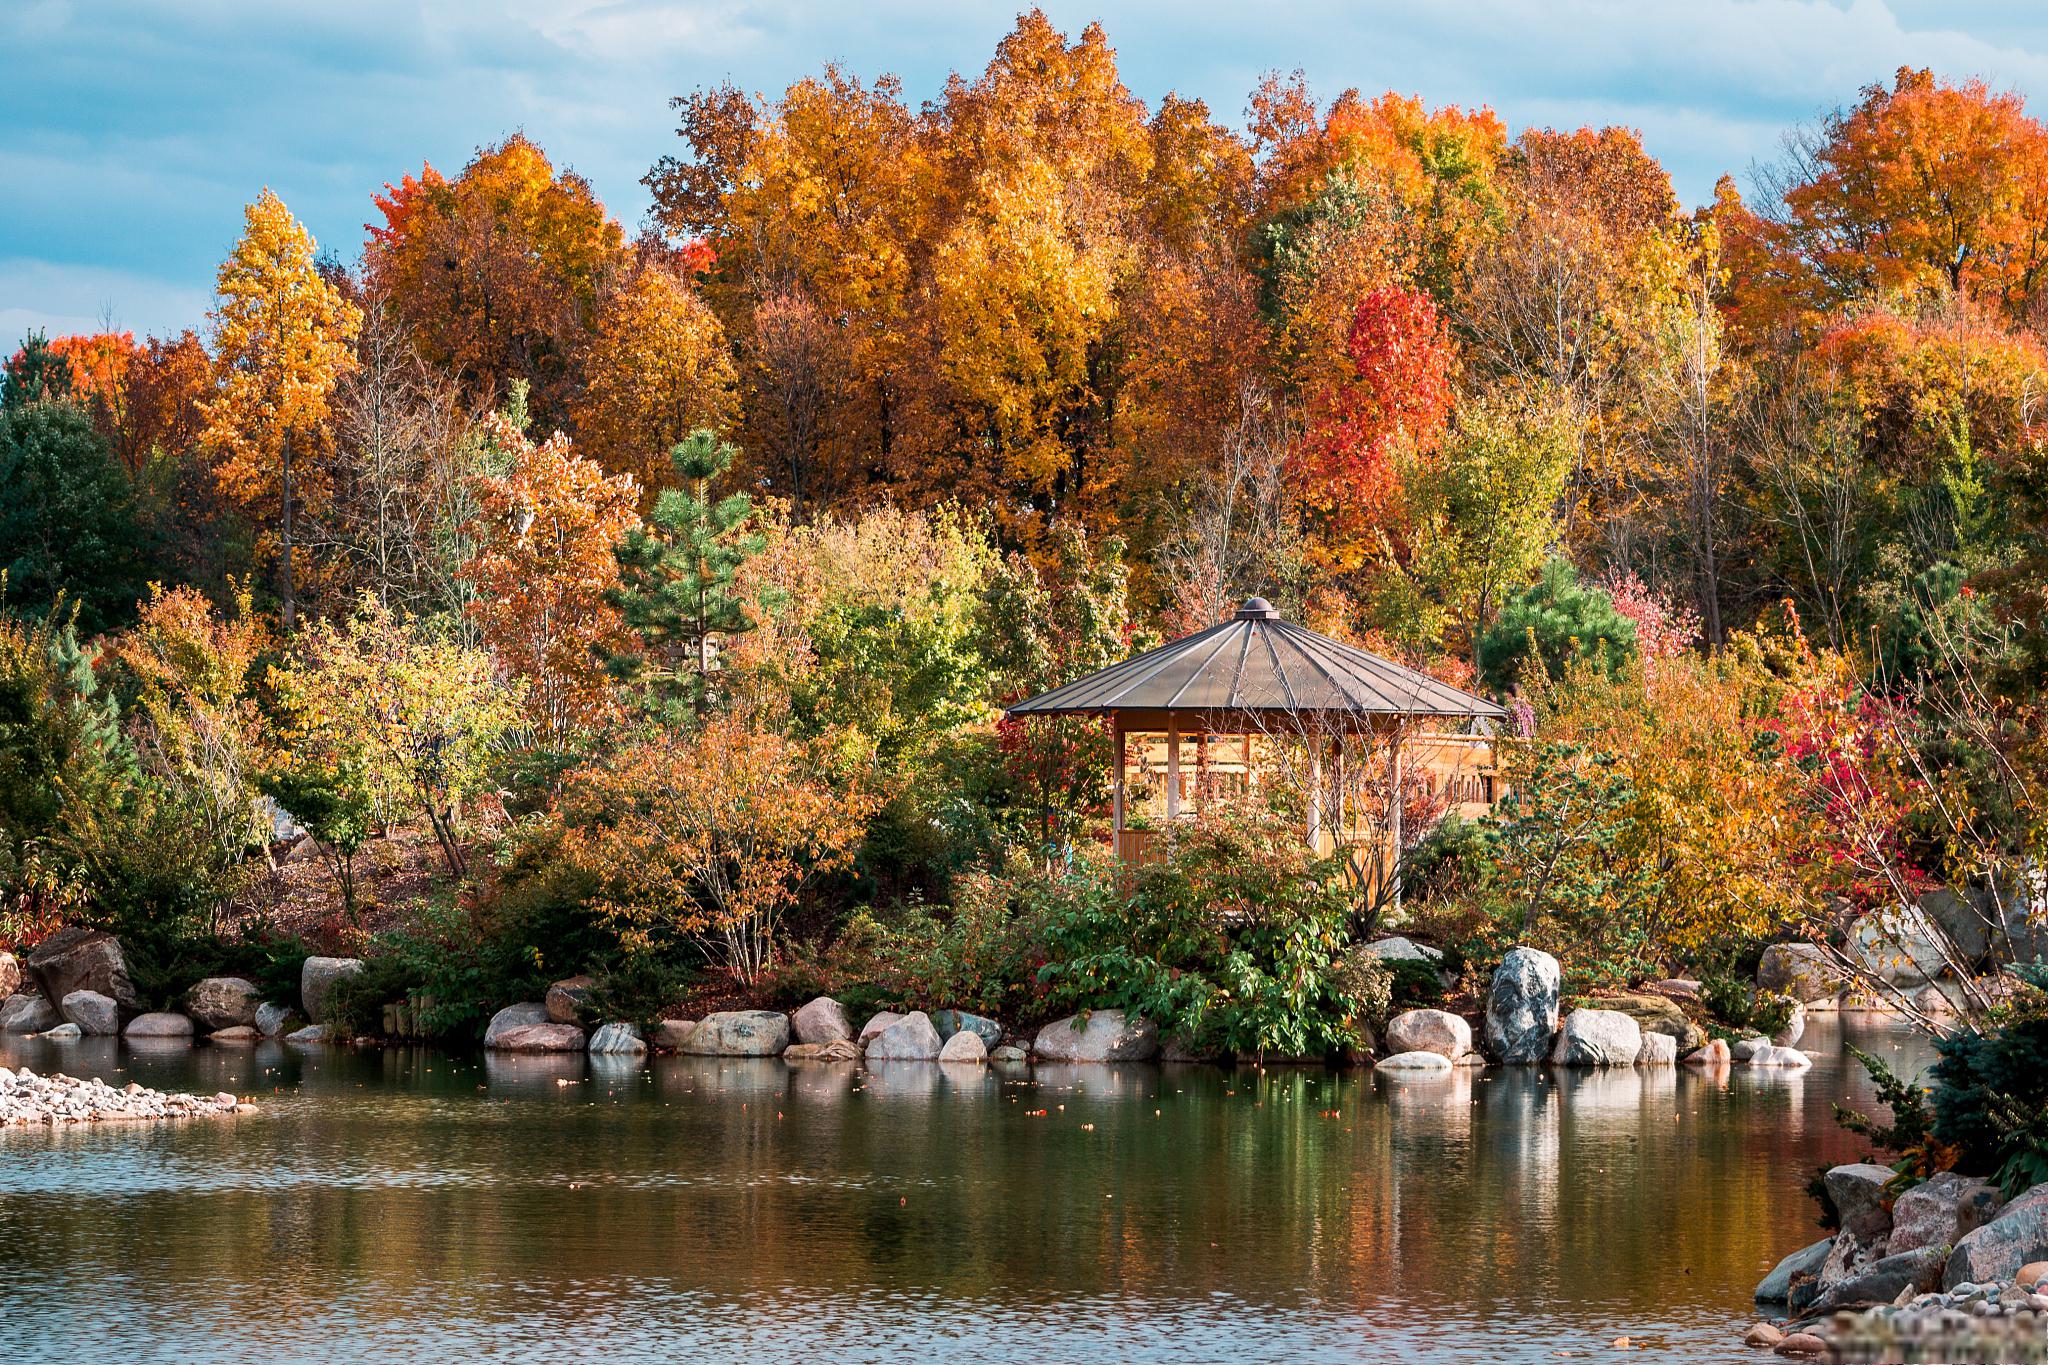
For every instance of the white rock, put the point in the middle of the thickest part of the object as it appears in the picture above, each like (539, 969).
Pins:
(910, 1039)
(27, 1013)
(1398, 949)
(311, 1033)
(96, 1015)
(63, 1033)
(1659, 1049)
(316, 982)
(522, 1015)
(1429, 1031)
(823, 1020)
(1434, 1062)
(272, 1019)
(162, 1025)
(617, 1039)
(965, 1046)
(1106, 1036)
(223, 1001)
(739, 1033)
(883, 1019)
(1598, 1038)
(1782, 1058)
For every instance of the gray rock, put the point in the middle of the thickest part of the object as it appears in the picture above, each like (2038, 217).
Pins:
(1434, 1063)
(883, 1020)
(1799, 970)
(823, 1020)
(1995, 1252)
(1883, 1280)
(1807, 1261)
(523, 1015)
(1659, 1049)
(964, 1046)
(1677, 987)
(273, 1019)
(311, 1033)
(1104, 1036)
(1436, 1031)
(1973, 932)
(1794, 1030)
(617, 1039)
(1859, 1194)
(27, 1013)
(1745, 1048)
(1901, 945)
(547, 1036)
(1521, 1006)
(223, 1001)
(82, 960)
(838, 1050)
(96, 1015)
(63, 1033)
(234, 1033)
(910, 1039)
(1941, 1211)
(1009, 1052)
(950, 1022)
(739, 1033)
(1598, 1038)
(1655, 1013)
(10, 975)
(159, 1026)
(316, 982)
(1398, 949)
(1176, 1048)
(568, 998)
(673, 1033)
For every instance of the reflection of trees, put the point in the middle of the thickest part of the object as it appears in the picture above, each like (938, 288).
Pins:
(415, 1188)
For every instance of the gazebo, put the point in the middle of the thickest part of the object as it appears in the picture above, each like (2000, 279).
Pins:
(1209, 717)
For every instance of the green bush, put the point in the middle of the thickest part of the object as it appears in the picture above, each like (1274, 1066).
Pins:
(1991, 1091)
(1555, 621)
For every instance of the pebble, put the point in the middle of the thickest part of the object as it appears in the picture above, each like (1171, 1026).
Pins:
(1762, 1334)
(26, 1098)
(1801, 1344)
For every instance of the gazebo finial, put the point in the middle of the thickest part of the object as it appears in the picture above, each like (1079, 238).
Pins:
(1257, 609)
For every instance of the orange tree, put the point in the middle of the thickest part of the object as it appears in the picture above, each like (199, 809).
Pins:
(712, 834)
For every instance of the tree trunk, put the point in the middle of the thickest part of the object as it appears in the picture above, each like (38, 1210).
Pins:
(290, 587)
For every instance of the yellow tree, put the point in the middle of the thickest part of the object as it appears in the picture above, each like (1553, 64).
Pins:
(283, 336)
(544, 529)
(657, 370)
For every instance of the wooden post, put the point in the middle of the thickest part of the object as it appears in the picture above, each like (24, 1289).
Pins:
(1394, 804)
(1315, 797)
(1117, 790)
(1172, 767)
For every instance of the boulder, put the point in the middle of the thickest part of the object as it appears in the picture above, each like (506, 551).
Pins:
(1858, 1191)
(1941, 1211)
(1009, 1052)
(1934, 1002)
(1883, 1280)
(838, 1050)
(965, 1046)
(1762, 1334)
(739, 1033)
(10, 975)
(311, 1033)
(1713, 1052)
(2020, 910)
(616, 1039)
(1973, 931)
(1656, 1013)
(511, 1017)
(223, 1001)
(1745, 1048)
(27, 1013)
(673, 1033)
(1598, 1038)
(272, 1019)
(235, 1033)
(1780, 1058)
(63, 1033)
(1900, 945)
(1799, 970)
(1099, 1036)
(1994, 1253)
(1432, 1062)
(1659, 1049)
(1802, 1344)
(82, 960)
(1175, 1047)
(1436, 1031)
(1806, 1262)
(910, 1039)
(546, 1036)
(567, 998)
(950, 1022)
(316, 982)
(883, 1019)
(1794, 1030)
(1398, 949)
(95, 1014)
(159, 1026)
(1677, 988)
(1521, 1006)
(2032, 1275)
(821, 1021)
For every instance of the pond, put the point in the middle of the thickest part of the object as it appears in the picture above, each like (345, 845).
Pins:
(408, 1204)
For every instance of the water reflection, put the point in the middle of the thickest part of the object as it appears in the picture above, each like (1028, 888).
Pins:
(405, 1204)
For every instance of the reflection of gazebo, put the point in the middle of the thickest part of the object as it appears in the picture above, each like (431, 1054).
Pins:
(1212, 714)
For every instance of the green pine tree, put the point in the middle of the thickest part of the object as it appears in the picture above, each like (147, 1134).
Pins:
(678, 588)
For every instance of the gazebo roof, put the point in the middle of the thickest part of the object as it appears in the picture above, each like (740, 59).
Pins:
(1262, 667)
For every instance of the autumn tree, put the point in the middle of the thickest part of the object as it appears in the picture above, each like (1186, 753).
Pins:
(283, 337)
(499, 272)
(657, 369)
(712, 834)
(384, 702)
(545, 527)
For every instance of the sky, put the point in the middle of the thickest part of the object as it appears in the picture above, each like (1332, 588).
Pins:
(132, 132)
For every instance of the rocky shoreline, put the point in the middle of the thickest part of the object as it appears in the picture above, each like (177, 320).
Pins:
(27, 1099)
